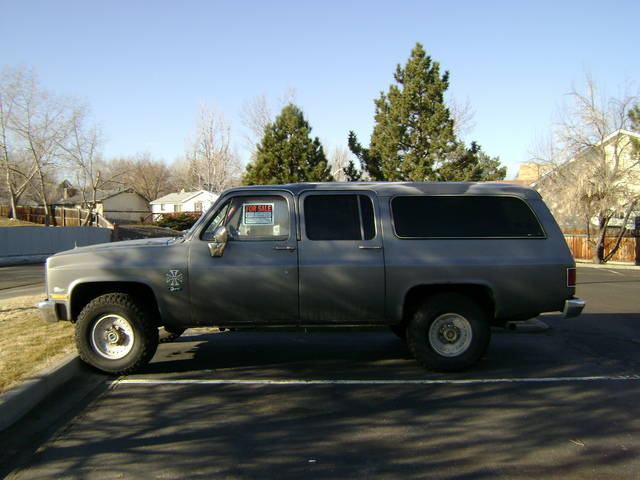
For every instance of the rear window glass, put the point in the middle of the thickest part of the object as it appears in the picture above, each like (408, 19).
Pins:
(464, 217)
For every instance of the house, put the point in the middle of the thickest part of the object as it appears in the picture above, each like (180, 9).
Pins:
(117, 206)
(603, 177)
(182, 201)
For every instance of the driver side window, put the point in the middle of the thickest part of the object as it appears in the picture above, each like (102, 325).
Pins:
(218, 220)
(252, 218)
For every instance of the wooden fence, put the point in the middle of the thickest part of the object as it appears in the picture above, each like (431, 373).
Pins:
(58, 216)
(629, 250)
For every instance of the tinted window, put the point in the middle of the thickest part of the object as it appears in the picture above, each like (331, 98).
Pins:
(339, 217)
(464, 217)
(368, 225)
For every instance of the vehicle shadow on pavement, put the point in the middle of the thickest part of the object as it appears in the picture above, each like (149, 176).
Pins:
(346, 431)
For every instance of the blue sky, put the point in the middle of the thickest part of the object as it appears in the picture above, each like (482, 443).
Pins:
(145, 67)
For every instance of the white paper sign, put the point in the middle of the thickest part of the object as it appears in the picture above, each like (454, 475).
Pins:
(257, 213)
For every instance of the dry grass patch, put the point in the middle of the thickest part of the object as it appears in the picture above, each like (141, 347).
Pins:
(28, 344)
(12, 222)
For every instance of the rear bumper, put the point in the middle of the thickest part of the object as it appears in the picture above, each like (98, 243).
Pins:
(573, 307)
(48, 311)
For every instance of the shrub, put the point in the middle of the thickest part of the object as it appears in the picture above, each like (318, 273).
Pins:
(178, 221)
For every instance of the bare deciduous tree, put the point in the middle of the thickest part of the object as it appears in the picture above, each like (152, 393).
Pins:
(462, 115)
(210, 162)
(338, 162)
(35, 123)
(257, 113)
(17, 170)
(149, 177)
(594, 173)
(82, 156)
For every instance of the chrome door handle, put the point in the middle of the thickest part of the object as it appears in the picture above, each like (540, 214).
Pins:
(370, 247)
(287, 248)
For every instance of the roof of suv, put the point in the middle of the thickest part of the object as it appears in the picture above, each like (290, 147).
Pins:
(389, 189)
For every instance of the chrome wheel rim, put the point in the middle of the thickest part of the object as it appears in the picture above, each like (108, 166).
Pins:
(112, 337)
(450, 335)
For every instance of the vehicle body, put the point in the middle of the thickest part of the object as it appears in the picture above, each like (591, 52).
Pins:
(326, 254)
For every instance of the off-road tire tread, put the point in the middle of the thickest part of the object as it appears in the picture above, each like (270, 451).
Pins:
(139, 313)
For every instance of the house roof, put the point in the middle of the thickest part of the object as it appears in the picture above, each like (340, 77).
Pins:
(581, 154)
(182, 197)
(612, 135)
(101, 196)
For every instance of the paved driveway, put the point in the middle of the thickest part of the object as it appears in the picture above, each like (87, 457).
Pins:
(560, 404)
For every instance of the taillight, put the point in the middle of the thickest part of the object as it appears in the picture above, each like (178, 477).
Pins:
(571, 277)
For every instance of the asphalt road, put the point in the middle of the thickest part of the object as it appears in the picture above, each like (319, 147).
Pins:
(564, 403)
(20, 280)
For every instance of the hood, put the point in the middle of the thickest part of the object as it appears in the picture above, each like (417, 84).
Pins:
(145, 242)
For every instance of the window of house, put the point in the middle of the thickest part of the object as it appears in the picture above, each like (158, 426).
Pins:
(252, 218)
(177, 208)
(339, 217)
(464, 217)
(197, 206)
(163, 207)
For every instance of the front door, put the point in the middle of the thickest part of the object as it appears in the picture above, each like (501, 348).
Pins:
(341, 259)
(255, 281)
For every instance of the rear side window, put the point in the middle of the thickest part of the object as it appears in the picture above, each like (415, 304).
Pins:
(339, 217)
(464, 217)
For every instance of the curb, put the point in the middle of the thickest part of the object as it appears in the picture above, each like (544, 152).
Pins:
(622, 266)
(20, 400)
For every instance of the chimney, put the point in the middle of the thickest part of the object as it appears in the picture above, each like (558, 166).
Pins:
(69, 192)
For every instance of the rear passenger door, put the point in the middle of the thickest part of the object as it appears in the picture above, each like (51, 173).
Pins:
(341, 258)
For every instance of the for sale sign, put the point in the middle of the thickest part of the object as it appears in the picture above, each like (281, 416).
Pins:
(257, 214)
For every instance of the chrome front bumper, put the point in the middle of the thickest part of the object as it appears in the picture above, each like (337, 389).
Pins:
(48, 310)
(573, 307)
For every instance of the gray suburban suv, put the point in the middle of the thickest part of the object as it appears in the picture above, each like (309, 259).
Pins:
(439, 263)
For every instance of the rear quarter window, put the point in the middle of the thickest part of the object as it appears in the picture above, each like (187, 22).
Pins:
(464, 217)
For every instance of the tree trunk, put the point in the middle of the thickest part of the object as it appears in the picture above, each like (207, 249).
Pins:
(599, 247)
(43, 193)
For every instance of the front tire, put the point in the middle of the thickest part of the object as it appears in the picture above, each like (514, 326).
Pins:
(449, 333)
(115, 333)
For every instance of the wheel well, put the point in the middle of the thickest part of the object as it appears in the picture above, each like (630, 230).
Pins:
(481, 294)
(82, 294)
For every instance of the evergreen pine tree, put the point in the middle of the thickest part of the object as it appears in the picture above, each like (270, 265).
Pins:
(413, 138)
(413, 127)
(471, 165)
(287, 154)
(634, 116)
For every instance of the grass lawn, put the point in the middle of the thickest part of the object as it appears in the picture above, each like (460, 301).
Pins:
(12, 222)
(29, 344)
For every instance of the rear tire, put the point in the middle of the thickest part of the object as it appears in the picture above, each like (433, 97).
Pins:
(449, 333)
(114, 333)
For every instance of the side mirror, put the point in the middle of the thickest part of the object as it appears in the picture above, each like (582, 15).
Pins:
(220, 238)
